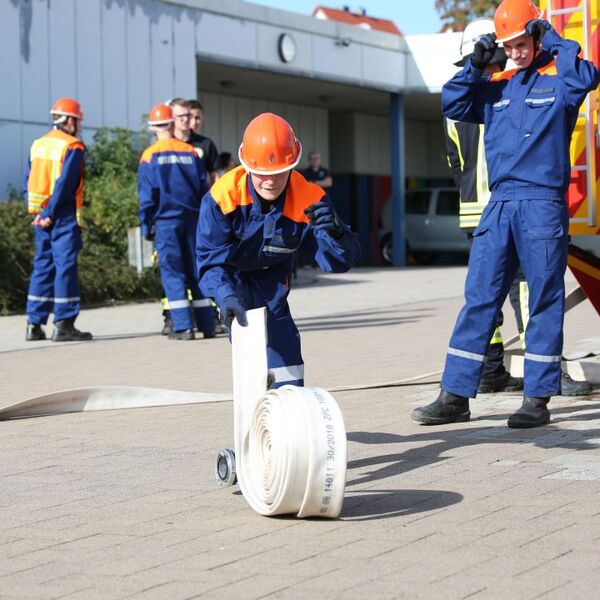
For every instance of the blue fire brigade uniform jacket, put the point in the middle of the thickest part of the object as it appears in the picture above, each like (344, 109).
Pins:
(54, 284)
(171, 183)
(529, 116)
(244, 252)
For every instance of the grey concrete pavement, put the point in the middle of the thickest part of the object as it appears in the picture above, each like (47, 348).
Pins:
(122, 504)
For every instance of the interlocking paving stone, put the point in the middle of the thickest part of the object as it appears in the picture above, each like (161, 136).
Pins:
(122, 504)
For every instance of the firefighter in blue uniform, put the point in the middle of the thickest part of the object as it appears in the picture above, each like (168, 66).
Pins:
(54, 194)
(529, 115)
(252, 222)
(171, 183)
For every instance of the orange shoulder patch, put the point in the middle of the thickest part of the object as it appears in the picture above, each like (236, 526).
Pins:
(549, 69)
(300, 195)
(231, 190)
(504, 75)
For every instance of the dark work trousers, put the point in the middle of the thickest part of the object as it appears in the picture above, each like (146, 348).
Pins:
(494, 358)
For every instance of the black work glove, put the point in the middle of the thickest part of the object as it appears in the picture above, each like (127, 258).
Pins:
(484, 51)
(232, 308)
(323, 216)
(537, 28)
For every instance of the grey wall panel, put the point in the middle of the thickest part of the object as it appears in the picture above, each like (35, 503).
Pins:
(416, 146)
(12, 51)
(36, 71)
(437, 161)
(321, 133)
(89, 62)
(161, 57)
(342, 142)
(337, 61)
(139, 93)
(12, 157)
(184, 56)
(372, 145)
(212, 117)
(228, 38)
(268, 48)
(62, 49)
(383, 67)
(231, 136)
(114, 66)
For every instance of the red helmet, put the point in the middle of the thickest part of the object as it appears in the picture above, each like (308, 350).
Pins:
(67, 107)
(511, 18)
(269, 146)
(161, 114)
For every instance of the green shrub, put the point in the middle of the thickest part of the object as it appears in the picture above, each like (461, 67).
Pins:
(110, 209)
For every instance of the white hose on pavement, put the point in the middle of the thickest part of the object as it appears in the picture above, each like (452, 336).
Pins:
(103, 398)
(290, 442)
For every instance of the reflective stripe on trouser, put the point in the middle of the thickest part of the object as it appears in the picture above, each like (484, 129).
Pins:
(533, 232)
(269, 287)
(283, 350)
(54, 284)
(175, 241)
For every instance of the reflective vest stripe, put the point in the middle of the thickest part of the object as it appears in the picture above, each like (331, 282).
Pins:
(497, 337)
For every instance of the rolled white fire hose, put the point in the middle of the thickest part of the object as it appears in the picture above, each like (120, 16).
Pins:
(290, 443)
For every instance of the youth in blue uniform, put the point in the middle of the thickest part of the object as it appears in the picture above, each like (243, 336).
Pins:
(171, 183)
(53, 186)
(252, 222)
(529, 115)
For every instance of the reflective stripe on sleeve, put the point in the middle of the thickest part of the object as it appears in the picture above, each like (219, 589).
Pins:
(469, 355)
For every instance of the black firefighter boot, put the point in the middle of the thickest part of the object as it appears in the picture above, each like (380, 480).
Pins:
(571, 387)
(65, 331)
(533, 413)
(35, 333)
(447, 408)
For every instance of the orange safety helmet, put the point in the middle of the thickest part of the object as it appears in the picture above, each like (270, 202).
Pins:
(269, 146)
(511, 18)
(161, 114)
(67, 107)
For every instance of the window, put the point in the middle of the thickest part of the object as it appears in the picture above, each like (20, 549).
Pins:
(417, 203)
(447, 203)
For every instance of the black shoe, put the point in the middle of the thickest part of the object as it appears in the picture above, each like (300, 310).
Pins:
(220, 328)
(186, 334)
(501, 383)
(533, 413)
(35, 333)
(570, 387)
(167, 327)
(65, 331)
(209, 335)
(447, 408)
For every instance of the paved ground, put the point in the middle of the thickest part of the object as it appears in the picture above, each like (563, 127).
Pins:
(122, 504)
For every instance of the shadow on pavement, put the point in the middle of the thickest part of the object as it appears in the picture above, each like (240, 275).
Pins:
(384, 504)
(445, 440)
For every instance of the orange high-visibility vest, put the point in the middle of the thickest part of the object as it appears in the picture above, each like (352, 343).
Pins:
(47, 156)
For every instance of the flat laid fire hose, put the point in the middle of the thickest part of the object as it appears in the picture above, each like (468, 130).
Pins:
(290, 442)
